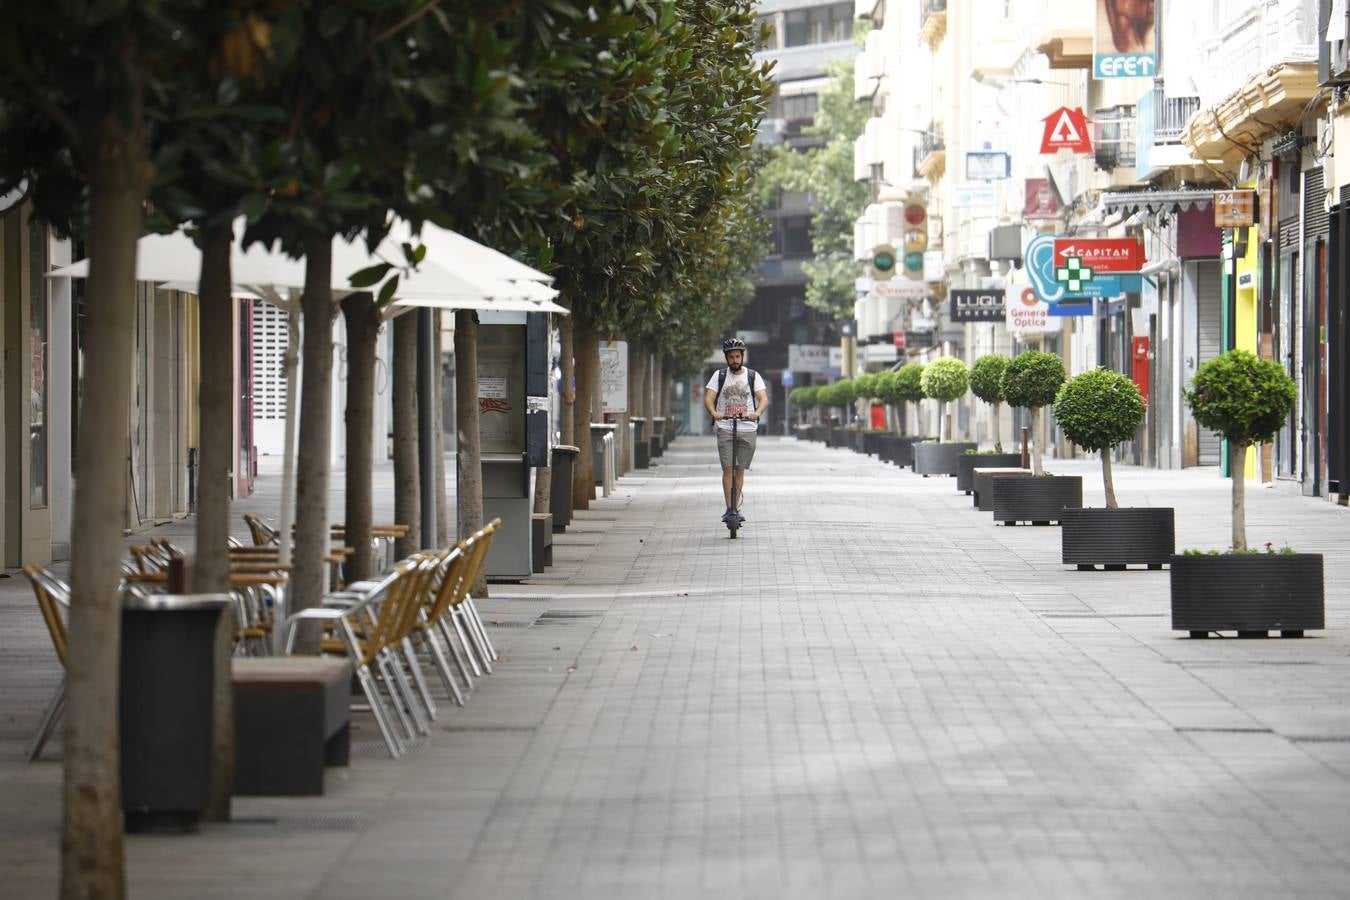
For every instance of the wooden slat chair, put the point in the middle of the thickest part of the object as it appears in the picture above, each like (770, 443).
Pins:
(481, 543)
(367, 631)
(262, 532)
(436, 619)
(53, 598)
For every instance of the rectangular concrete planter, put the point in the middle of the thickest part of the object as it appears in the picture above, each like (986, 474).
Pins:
(1039, 501)
(967, 463)
(1115, 538)
(1250, 593)
(982, 484)
(932, 458)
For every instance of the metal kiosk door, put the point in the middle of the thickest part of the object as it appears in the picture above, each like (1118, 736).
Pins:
(513, 429)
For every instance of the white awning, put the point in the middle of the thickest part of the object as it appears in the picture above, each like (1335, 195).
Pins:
(1154, 202)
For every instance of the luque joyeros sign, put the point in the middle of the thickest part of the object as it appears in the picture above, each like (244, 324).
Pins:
(977, 306)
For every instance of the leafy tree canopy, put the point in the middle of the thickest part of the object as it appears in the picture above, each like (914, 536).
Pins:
(945, 379)
(986, 377)
(1098, 409)
(1241, 397)
(1032, 379)
(910, 382)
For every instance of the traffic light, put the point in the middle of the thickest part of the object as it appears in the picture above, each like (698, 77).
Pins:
(883, 262)
(916, 235)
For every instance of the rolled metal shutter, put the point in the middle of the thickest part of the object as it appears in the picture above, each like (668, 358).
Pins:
(1209, 327)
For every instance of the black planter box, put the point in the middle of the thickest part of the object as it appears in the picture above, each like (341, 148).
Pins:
(838, 437)
(904, 449)
(933, 458)
(1116, 538)
(872, 442)
(982, 489)
(856, 438)
(967, 463)
(1250, 593)
(1039, 501)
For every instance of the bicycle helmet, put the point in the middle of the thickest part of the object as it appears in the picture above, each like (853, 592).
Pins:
(732, 344)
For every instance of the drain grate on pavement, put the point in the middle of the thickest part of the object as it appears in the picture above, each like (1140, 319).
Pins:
(1318, 738)
(1218, 729)
(510, 623)
(571, 614)
(1102, 615)
(309, 823)
(375, 746)
(494, 729)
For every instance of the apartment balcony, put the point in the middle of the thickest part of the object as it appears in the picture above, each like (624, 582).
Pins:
(932, 22)
(930, 154)
(1113, 137)
(1160, 123)
(1254, 37)
(1266, 105)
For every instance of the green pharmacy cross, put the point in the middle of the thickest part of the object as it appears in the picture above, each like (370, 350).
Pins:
(1073, 274)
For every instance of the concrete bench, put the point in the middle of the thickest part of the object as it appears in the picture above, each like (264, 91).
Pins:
(541, 541)
(292, 717)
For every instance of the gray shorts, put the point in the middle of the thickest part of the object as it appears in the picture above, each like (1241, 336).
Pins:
(745, 447)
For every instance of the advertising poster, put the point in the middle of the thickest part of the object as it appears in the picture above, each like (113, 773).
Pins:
(1123, 42)
(614, 376)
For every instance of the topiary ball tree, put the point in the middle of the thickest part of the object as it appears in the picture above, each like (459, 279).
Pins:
(1245, 400)
(1097, 410)
(1030, 381)
(945, 380)
(866, 387)
(909, 385)
(844, 392)
(986, 382)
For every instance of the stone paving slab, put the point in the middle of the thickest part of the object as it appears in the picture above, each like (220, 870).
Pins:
(875, 692)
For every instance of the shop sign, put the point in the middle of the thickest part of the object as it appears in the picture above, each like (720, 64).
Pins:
(1234, 209)
(904, 288)
(1103, 254)
(899, 339)
(812, 359)
(1066, 129)
(987, 165)
(1041, 200)
(1027, 313)
(1043, 269)
(966, 195)
(977, 306)
(1123, 42)
(918, 340)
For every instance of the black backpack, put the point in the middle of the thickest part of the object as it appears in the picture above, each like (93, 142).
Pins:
(722, 378)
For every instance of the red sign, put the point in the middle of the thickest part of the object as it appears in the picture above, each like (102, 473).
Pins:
(1102, 254)
(899, 338)
(1042, 201)
(1066, 129)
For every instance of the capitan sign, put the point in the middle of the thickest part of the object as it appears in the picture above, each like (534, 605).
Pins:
(1066, 129)
(1055, 278)
(1103, 254)
(977, 306)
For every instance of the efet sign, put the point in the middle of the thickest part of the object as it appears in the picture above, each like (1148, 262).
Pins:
(977, 306)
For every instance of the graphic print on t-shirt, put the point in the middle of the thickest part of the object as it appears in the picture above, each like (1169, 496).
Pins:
(736, 393)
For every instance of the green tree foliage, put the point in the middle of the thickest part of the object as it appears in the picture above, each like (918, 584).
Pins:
(1246, 400)
(1098, 409)
(827, 173)
(1032, 379)
(910, 382)
(1241, 397)
(866, 386)
(945, 379)
(887, 388)
(986, 377)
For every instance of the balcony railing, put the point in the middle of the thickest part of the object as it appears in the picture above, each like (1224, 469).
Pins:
(930, 145)
(1113, 137)
(1170, 114)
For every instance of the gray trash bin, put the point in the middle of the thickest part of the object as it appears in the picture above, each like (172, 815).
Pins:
(560, 496)
(165, 705)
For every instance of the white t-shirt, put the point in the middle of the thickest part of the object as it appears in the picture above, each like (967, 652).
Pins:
(736, 391)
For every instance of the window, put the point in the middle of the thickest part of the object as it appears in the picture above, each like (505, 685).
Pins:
(802, 106)
(796, 235)
(818, 25)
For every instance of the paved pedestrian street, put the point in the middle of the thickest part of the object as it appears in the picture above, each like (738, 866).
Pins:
(874, 692)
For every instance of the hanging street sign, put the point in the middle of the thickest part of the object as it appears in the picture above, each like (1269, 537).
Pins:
(1041, 265)
(1103, 254)
(977, 306)
(1066, 129)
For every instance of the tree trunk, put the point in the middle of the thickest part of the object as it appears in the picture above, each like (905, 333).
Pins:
(363, 330)
(312, 542)
(1106, 479)
(438, 429)
(998, 432)
(91, 828)
(568, 394)
(1237, 470)
(1036, 467)
(407, 490)
(211, 568)
(470, 446)
(587, 348)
